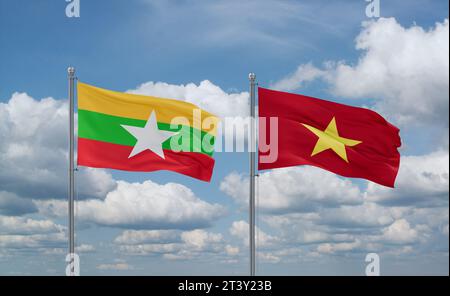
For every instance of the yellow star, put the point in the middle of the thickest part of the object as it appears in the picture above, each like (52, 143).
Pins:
(330, 139)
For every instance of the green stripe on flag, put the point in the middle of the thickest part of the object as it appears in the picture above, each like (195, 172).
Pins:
(107, 128)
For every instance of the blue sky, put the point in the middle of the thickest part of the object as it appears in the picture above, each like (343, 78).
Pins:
(202, 51)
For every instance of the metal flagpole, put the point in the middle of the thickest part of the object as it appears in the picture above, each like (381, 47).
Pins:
(252, 78)
(71, 73)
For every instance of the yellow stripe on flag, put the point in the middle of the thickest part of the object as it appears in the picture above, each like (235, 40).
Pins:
(119, 104)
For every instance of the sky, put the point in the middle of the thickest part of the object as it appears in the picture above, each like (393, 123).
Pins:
(309, 221)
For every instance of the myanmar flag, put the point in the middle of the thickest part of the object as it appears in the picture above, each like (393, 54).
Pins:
(346, 140)
(142, 133)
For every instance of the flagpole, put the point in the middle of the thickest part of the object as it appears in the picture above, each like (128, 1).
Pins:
(252, 79)
(71, 77)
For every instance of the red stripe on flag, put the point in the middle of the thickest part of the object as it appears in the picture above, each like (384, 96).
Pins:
(92, 153)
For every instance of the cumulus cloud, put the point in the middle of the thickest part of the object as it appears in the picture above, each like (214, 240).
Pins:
(375, 227)
(84, 248)
(35, 151)
(146, 205)
(267, 257)
(154, 249)
(366, 215)
(199, 239)
(305, 73)
(331, 248)
(175, 245)
(20, 234)
(13, 205)
(400, 232)
(404, 70)
(300, 229)
(402, 66)
(414, 215)
(33, 242)
(240, 229)
(317, 235)
(422, 180)
(233, 251)
(22, 225)
(332, 225)
(206, 95)
(135, 237)
(115, 266)
(294, 189)
(445, 230)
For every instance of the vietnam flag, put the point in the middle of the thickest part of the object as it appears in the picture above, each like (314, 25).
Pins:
(142, 133)
(346, 140)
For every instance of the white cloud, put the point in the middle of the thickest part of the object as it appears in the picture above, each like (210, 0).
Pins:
(305, 73)
(303, 230)
(240, 229)
(115, 266)
(445, 230)
(406, 71)
(434, 218)
(60, 251)
(402, 66)
(146, 205)
(351, 229)
(422, 180)
(400, 232)
(296, 189)
(175, 245)
(34, 242)
(200, 239)
(366, 215)
(93, 182)
(150, 205)
(312, 236)
(84, 248)
(35, 152)
(206, 95)
(135, 237)
(20, 234)
(11, 204)
(376, 220)
(345, 230)
(267, 257)
(21, 225)
(146, 249)
(233, 251)
(400, 251)
(331, 248)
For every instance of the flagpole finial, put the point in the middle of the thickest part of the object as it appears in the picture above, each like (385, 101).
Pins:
(251, 76)
(71, 71)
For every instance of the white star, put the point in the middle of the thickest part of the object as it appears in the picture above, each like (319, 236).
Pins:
(148, 137)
